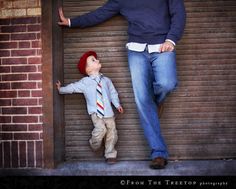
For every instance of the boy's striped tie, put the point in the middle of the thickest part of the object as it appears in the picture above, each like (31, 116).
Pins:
(100, 104)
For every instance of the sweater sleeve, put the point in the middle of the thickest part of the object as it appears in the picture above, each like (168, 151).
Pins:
(77, 87)
(97, 16)
(178, 20)
(113, 94)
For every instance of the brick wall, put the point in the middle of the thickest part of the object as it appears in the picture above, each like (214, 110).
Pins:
(19, 8)
(20, 84)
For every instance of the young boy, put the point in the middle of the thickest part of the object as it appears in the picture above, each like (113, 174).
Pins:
(99, 92)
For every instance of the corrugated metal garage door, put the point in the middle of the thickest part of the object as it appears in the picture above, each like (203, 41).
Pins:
(199, 120)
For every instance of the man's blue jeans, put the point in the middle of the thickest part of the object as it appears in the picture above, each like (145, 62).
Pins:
(153, 77)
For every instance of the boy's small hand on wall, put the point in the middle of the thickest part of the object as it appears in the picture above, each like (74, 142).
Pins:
(120, 109)
(58, 85)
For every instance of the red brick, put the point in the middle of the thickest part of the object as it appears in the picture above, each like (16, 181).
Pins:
(24, 102)
(14, 110)
(35, 60)
(8, 45)
(35, 110)
(4, 53)
(25, 119)
(12, 29)
(4, 37)
(39, 154)
(40, 101)
(38, 35)
(5, 119)
(26, 136)
(40, 68)
(5, 69)
(14, 77)
(4, 85)
(28, 20)
(9, 61)
(30, 153)
(5, 102)
(39, 19)
(36, 44)
(6, 154)
(22, 151)
(39, 85)
(24, 69)
(35, 27)
(7, 136)
(26, 85)
(39, 52)
(23, 93)
(24, 36)
(37, 93)
(24, 44)
(8, 94)
(41, 136)
(14, 152)
(27, 52)
(35, 76)
(5, 21)
(35, 127)
(14, 127)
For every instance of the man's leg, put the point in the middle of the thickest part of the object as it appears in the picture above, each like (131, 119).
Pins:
(142, 81)
(164, 71)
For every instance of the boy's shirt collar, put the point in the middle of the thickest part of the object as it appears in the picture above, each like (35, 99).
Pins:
(95, 76)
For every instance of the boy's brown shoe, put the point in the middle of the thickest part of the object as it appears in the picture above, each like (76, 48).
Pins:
(111, 160)
(158, 163)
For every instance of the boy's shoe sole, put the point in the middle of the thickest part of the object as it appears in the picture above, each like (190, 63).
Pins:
(111, 161)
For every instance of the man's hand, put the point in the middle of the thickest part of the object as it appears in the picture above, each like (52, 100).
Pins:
(167, 47)
(63, 20)
(58, 85)
(120, 109)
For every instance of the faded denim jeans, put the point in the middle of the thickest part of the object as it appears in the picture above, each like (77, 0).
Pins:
(153, 78)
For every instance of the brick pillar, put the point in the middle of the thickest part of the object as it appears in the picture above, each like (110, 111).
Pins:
(20, 92)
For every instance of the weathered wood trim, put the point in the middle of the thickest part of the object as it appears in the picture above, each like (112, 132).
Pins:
(52, 53)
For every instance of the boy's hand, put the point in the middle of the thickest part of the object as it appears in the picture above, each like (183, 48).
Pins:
(63, 20)
(58, 85)
(120, 109)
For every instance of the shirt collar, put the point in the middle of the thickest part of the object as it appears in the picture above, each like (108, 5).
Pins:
(96, 76)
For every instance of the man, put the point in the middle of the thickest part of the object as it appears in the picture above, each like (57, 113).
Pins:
(154, 28)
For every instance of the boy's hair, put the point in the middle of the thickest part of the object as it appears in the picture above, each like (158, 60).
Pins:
(83, 60)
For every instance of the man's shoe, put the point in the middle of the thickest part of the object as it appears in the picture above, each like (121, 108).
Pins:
(160, 109)
(111, 160)
(158, 163)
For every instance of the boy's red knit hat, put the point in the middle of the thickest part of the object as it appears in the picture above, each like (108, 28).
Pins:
(83, 60)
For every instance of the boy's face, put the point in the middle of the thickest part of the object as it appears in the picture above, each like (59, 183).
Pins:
(92, 65)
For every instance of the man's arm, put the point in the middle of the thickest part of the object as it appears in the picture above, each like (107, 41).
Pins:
(95, 17)
(178, 20)
(113, 94)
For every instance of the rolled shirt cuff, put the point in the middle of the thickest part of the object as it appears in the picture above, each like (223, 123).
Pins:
(69, 22)
(169, 40)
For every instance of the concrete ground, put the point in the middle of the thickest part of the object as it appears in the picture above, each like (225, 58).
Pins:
(132, 168)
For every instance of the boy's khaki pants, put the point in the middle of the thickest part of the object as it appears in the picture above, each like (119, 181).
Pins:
(104, 128)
